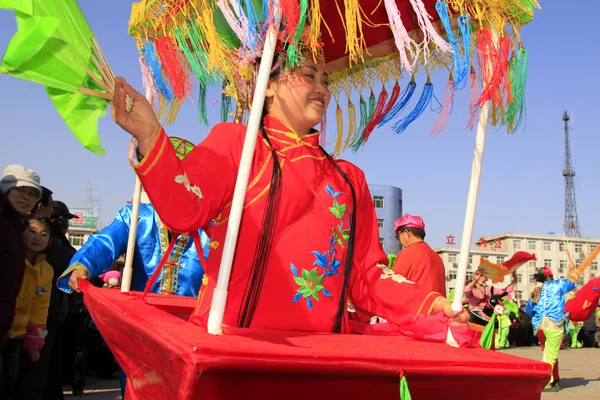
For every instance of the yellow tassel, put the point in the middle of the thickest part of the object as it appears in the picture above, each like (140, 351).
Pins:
(340, 130)
(173, 111)
(351, 123)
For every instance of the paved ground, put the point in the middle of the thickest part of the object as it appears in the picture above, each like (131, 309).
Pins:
(579, 372)
(579, 369)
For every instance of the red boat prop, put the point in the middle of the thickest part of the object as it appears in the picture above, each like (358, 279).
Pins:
(166, 357)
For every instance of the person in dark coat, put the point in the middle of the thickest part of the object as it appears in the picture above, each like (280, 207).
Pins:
(19, 190)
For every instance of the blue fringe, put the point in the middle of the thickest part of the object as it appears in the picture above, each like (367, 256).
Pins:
(425, 99)
(464, 24)
(442, 10)
(155, 68)
(400, 105)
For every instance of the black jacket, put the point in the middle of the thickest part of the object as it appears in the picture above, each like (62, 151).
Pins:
(59, 255)
(12, 263)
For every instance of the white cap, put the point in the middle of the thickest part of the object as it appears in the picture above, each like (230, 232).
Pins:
(19, 176)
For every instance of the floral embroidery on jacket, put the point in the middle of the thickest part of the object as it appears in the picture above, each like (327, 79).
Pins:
(390, 274)
(183, 179)
(327, 264)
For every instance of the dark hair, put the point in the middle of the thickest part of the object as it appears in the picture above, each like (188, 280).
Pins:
(418, 232)
(46, 193)
(34, 217)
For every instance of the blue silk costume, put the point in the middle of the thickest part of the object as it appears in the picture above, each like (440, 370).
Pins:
(182, 274)
(551, 303)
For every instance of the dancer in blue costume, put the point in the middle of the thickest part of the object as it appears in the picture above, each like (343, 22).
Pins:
(546, 307)
(183, 272)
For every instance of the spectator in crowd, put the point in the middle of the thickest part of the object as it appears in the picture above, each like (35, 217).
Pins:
(45, 205)
(28, 329)
(19, 190)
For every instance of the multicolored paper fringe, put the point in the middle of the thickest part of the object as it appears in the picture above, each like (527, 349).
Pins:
(217, 43)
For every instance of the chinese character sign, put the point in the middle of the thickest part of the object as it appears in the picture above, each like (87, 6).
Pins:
(497, 244)
(482, 242)
(450, 239)
(79, 221)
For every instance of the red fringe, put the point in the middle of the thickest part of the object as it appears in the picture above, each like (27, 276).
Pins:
(505, 51)
(381, 110)
(171, 59)
(290, 10)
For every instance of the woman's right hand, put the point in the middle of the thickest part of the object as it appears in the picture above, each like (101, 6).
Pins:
(141, 121)
(75, 276)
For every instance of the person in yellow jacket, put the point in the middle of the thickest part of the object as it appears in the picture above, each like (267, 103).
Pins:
(28, 328)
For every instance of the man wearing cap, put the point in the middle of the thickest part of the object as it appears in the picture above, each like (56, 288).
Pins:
(417, 261)
(546, 306)
(19, 190)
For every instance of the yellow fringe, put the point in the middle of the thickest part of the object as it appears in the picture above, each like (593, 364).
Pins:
(340, 130)
(351, 123)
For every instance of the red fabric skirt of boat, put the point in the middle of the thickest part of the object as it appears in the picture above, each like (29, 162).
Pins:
(165, 357)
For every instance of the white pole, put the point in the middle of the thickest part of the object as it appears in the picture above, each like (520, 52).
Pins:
(135, 212)
(467, 235)
(215, 318)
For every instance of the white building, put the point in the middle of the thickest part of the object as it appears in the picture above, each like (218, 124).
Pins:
(81, 228)
(550, 250)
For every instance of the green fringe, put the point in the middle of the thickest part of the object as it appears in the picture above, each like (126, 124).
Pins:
(202, 116)
(518, 81)
(404, 392)
(293, 51)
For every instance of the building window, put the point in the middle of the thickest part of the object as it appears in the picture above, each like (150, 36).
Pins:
(378, 201)
(500, 260)
(592, 246)
(532, 280)
(547, 246)
(76, 239)
(532, 264)
(380, 223)
(561, 246)
(470, 259)
(578, 247)
(517, 244)
(519, 294)
(548, 262)
(519, 278)
(562, 264)
(381, 241)
(451, 275)
(452, 257)
(531, 244)
(594, 265)
(469, 276)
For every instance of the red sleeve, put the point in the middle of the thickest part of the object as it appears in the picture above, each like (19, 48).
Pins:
(375, 289)
(189, 193)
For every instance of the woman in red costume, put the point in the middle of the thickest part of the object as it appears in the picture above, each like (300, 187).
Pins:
(308, 240)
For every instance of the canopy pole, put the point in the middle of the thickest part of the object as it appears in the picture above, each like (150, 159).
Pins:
(467, 234)
(217, 309)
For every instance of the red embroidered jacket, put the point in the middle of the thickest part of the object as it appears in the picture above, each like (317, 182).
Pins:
(304, 278)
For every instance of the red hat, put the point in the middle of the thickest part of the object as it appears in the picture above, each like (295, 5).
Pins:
(408, 221)
(547, 271)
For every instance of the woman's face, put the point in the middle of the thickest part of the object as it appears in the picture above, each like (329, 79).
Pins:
(22, 198)
(36, 236)
(300, 98)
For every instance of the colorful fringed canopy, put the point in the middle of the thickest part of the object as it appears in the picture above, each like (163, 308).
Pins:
(364, 43)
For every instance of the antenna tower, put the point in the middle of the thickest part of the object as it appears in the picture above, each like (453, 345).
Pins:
(571, 222)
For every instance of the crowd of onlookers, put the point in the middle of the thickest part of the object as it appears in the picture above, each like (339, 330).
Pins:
(46, 337)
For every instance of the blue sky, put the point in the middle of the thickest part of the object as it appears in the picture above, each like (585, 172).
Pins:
(522, 188)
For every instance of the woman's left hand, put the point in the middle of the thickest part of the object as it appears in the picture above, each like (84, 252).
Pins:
(443, 305)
